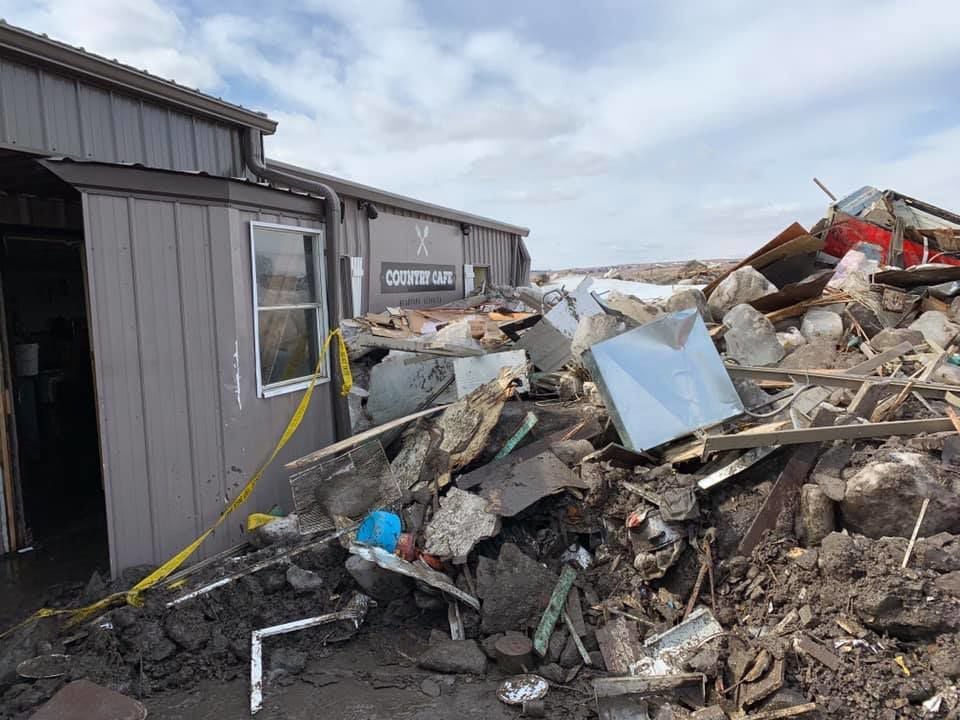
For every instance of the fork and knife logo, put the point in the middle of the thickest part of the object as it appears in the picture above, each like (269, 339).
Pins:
(422, 233)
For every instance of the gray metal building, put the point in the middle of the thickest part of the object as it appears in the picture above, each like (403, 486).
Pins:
(164, 290)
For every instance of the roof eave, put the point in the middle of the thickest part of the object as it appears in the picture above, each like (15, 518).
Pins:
(39, 48)
(383, 197)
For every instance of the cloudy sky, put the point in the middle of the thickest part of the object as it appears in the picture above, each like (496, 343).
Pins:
(618, 131)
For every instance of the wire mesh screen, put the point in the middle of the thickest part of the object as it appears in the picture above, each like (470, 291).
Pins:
(348, 485)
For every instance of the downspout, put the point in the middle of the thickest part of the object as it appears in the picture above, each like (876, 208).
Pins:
(253, 157)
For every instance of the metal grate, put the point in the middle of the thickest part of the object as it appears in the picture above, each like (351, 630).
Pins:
(362, 474)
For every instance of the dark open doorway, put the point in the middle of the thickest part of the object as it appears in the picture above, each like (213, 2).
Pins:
(53, 498)
(54, 401)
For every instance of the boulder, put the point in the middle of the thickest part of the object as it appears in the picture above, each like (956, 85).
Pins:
(639, 311)
(884, 498)
(689, 298)
(812, 356)
(791, 340)
(816, 514)
(455, 656)
(572, 451)
(946, 373)
(936, 328)
(520, 590)
(303, 581)
(751, 338)
(822, 326)
(891, 337)
(949, 583)
(376, 582)
(838, 555)
(593, 329)
(740, 286)
(282, 531)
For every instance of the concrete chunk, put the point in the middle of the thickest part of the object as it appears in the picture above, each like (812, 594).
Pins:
(740, 286)
(751, 338)
(936, 327)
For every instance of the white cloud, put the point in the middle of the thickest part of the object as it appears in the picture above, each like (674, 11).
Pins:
(695, 133)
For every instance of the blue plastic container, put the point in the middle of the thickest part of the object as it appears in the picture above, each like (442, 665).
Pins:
(380, 528)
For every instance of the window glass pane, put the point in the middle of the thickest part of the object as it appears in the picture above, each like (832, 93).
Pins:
(288, 344)
(285, 267)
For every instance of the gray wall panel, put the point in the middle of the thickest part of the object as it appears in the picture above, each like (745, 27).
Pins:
(49, 112)
(172, 322)
(61, 113)
(99, 139)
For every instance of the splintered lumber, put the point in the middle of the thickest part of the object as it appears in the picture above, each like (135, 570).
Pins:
(354, 440)
(425, 347)
(783, 712)
(646, 684)
(815, 435)
(850, 381)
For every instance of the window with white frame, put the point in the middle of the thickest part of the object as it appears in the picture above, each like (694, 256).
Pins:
(288, 306)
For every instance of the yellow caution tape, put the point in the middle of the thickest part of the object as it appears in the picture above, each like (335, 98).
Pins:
(255, 520)
(133, 596)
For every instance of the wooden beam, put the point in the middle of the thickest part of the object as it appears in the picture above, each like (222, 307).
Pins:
(718, 443)
(338, 447)
(937, 391)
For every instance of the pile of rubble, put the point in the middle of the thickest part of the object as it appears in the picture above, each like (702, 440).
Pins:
(740, 501)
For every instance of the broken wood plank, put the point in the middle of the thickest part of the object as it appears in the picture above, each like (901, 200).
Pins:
(871, 364)
(817, 651)
(354, 440)
(575, 636)
(717, 443)
(619, 645)
(750, 693)
(746, 460)
(645, 684)
(787, 486)
(783, 712)
(824, 378)
(424, 347)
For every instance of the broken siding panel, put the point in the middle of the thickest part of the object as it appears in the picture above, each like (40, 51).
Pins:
(116, 356)
(163, 373)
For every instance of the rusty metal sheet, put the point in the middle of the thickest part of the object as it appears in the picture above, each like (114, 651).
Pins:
(529, 481)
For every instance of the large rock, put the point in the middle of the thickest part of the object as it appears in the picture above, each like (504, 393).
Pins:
(303, 581)
(946, 373)
(740, 286)
(812, 356)
(640, 311)
(884, 498)
(689, 298)
(822, 326)
(520, 591)
(751, 338)
(838, 555)
(593, 329)
(377, 582)
(936, 328)
(816, 514)
(282, 531)
(791, 339)
(455, 656)
(891, 337)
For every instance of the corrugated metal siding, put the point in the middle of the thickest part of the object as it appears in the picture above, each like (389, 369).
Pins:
(495, 249)
(46, 112)
(172, 323)
(484, 246)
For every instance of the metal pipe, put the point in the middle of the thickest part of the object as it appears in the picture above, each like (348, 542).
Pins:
(253, 157)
